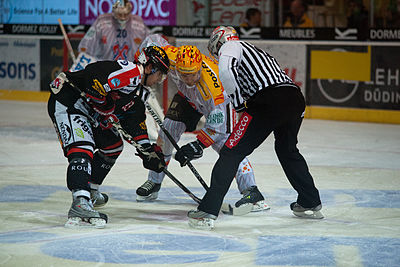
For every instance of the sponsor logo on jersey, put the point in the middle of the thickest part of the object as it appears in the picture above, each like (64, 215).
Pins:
(83, 125)
(79, 133)
(115, 82)
(107, 87)
(65, 132)
(216, 118)
(212, 74)
(123, 62)
(238, 131)
(143, 125)
(128, 106)
(98, 87)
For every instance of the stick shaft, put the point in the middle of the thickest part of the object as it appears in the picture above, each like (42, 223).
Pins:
(172, 140)
(70, 50)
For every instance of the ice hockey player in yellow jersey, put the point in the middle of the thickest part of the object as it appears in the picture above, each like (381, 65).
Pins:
(200, 93)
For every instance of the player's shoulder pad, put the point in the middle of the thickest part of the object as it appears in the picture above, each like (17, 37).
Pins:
(104, 20)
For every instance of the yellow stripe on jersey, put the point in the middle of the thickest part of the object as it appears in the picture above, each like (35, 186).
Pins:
(203, 89)
(210, 85)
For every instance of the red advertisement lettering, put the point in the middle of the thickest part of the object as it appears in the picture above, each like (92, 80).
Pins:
(239, 130)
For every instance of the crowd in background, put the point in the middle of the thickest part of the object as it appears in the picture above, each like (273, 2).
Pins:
(332, 13)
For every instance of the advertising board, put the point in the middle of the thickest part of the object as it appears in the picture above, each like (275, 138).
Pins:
(19, 64)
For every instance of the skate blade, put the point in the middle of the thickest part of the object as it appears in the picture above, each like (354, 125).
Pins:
(309, 214)
(236, 211)
(202, 224)
(260, 206)
(150, 197)
(77, 222)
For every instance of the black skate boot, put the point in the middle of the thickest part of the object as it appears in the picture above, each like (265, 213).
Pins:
(253, 195)
(82, 214)
(308, 213)
(147, 191)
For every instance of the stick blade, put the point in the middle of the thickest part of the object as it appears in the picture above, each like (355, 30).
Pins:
(236, 211)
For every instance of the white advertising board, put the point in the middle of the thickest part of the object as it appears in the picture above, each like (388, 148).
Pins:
(19, 64)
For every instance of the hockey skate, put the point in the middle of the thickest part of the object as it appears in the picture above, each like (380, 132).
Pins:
(147, 191)
(98, 199)
(201, 220)
(81, 214)
(253, 195)
(309, 213)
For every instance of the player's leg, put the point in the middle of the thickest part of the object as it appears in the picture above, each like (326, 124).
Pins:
(149, 189)
(248, 188)
(248, 134)
(245, 181)
(308, 203)
(76, 137)
(109, 146)
(180, 117)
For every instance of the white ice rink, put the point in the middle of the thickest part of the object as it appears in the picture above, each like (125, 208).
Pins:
(356, 167)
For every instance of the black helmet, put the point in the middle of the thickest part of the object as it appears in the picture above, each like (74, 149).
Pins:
(155, 56)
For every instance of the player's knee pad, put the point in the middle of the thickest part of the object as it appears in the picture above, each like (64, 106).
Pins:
(175, 129)
(102, 165)
(72, 129)
(78, 173)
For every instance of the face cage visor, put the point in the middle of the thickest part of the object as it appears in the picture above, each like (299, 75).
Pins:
(194, 77)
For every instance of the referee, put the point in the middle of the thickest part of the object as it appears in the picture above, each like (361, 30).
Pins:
(267, 101)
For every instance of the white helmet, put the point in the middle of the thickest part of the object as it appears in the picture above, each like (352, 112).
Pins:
(218, 37)
(121, 10)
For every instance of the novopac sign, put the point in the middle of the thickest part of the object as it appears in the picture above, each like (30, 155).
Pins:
(153, 12)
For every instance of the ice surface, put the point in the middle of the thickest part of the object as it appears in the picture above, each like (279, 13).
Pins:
(356, 167)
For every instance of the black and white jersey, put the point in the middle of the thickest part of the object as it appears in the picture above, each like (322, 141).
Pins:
(245, 69)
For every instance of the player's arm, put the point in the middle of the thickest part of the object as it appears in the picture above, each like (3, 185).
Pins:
(131, 114)
(129, 74)
(230, 55)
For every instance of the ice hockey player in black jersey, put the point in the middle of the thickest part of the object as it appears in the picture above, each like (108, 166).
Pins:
(82, 105)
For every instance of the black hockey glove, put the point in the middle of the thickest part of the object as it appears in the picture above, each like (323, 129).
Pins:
(104, 106)
(193, 150)
(153, 158)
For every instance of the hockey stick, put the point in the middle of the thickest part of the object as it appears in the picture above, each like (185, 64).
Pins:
(171, 139)
(129, 138)
(70, 50)
(225, 208)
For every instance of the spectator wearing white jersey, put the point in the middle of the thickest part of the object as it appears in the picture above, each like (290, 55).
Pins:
(116, 35)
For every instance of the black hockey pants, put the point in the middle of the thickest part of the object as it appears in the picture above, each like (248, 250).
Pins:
(279, 110)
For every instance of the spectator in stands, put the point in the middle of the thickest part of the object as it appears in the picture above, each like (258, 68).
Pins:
(298, 17)
(252, 19)
(357, 15)
(390, 17)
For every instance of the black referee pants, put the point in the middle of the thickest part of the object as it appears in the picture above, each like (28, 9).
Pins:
(277, 110)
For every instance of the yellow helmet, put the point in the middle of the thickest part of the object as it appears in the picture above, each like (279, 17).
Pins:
(188, 59)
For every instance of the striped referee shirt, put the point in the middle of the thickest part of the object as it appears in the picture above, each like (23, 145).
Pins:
(245, 69)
